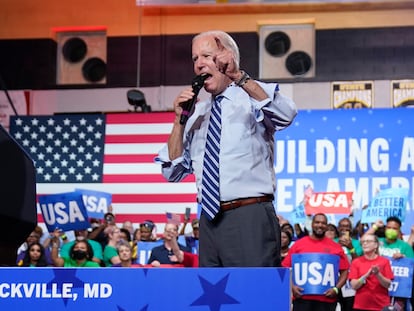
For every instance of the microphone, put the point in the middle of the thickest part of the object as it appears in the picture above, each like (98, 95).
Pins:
(187, 106)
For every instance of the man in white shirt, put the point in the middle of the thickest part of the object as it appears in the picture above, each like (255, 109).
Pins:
(245, 231)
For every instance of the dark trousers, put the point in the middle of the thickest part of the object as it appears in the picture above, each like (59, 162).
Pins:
(247, 236)
(313, 305)
(347, 303)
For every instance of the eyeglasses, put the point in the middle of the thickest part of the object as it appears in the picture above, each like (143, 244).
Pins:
(367, 241)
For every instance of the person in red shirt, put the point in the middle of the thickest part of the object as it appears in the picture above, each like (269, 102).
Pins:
(370, 276)
(317, 242)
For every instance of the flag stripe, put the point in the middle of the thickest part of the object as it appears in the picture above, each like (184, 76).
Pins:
(129, 158)
(135, 218)
(150, 198)
(141, 178)
(123, 139)
(131, 168)
(133, 148)
(124, 188)
(161, 117)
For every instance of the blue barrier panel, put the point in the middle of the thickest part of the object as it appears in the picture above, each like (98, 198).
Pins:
(198, 289)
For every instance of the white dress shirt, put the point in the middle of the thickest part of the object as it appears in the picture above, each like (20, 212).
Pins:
(246, 147)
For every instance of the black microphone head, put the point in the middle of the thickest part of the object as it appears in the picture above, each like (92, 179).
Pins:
(198, 81)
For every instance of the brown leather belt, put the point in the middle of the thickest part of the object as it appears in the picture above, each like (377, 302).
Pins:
(225, 206)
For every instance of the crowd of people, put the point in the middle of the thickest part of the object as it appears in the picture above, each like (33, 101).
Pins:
(365, 272)
(106, 244)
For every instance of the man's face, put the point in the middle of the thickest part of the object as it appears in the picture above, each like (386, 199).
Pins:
(81, 234)
(204, 51)
(145, 234)
(393, 225)
(33, 237)
(128, 225)
(392, 230)
(109, 219)
(170, 232)
(344, 225)
(319, 226)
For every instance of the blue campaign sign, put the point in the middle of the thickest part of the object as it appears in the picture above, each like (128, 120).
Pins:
(298, 215)
(355, 150)
(403, 277)
(388, 202)
(65, 211)
(315, 272)
(229, 289)
(96, 202)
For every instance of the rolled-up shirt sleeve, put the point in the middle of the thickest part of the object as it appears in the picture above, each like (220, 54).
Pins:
(277, 111)
(174, 170)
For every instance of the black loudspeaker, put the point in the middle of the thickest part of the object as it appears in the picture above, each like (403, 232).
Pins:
(18, 212)
(287, 50)
(81, 56)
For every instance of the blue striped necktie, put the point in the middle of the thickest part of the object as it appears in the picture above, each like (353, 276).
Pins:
(210, 192)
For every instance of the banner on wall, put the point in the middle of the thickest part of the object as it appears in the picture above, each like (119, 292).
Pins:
(352, 150)
(353, 94)
(402, 93)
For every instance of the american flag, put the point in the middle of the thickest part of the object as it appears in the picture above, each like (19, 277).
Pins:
(113, 153)
(173, 218)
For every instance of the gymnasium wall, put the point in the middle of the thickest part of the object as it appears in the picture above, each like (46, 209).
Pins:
(149, 47)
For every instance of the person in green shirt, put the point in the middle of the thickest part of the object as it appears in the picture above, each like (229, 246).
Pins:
(80, 255)
(83, 235)
(110, 253)
(393, 246)
(351, 246)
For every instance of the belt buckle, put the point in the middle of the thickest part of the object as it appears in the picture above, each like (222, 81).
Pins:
(229, 205)
(234, 204)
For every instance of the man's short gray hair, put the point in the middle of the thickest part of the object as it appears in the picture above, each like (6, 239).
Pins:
(227, 41)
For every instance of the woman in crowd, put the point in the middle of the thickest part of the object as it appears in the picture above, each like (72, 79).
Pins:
(136, 237)
(370, 275)
(332, 232)
(80, 253)
(110, 254)
(125, 256)
(34, 256)
(286, 239)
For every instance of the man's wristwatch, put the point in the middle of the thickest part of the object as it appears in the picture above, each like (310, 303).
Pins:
(245, 77)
